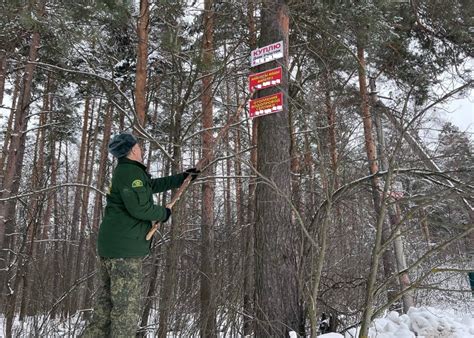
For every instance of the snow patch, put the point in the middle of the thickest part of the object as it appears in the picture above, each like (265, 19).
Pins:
(331, 335)
(423, 322)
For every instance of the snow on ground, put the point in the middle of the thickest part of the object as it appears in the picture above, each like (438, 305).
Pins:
(426, 322)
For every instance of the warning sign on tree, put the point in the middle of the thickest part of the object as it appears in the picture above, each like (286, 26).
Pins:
(266, 105)
(268, 78)
(266, 54)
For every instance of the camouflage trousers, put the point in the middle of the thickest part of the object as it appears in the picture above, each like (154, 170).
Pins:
(117, 307)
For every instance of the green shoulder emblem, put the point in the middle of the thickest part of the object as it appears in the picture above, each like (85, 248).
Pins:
(137, 184)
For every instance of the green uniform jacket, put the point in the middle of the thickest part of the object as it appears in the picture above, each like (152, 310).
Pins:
(130, 210)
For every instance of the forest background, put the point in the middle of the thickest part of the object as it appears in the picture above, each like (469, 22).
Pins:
(354, 200)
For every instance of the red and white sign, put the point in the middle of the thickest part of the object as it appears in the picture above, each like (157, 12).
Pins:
(266, 54)
(266, 105)
(268, 78)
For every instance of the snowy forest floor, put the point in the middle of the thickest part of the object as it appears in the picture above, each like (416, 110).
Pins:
(427, 322)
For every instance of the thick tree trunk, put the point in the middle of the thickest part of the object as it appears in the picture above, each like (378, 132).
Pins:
(207, 320)
(276, 299)
(8, 130)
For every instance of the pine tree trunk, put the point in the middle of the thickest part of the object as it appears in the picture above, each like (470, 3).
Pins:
(56, 247)
(8, 130)
(82, 258)
(207, 279)
(17, 145)
(276, 302)
(36, 204)
(13, 171)
(142, 60)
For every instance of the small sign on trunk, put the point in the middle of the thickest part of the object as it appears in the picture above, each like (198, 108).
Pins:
(266, 105)
(262, 80)
(266, 54)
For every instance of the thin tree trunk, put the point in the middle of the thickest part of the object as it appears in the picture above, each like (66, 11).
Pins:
(37, 203)
(13, 171)
(382, 231)
(85, 221)
(98, 201)
(328, 173)
(49, 164)
(318, 266)
(154, 279)
(11, 182)
(424, 225)
(56, 247)
(394, 218)
(228, 214)
(248, 232)
(296, 198)
(172, 254)
(76, 233)
(331, 119)
(207, 279)
(156, 255)
(3, 75)
(142, 59)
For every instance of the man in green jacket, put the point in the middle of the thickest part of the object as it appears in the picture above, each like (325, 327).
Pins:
(121, 244)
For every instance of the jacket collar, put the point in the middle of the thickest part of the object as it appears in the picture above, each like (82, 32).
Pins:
(129, 161)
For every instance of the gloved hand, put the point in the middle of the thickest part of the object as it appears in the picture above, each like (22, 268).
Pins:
(193, 172)
(168, 214)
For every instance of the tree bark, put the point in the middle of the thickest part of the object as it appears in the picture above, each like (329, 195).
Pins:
(142, 60)
(207, 320)
(56, 247)
(8, 131)
(84, 245)
(36, 205)
(276, 299)
(13, 170)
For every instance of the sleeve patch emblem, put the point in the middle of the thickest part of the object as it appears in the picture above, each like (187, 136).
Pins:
(137, 184)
